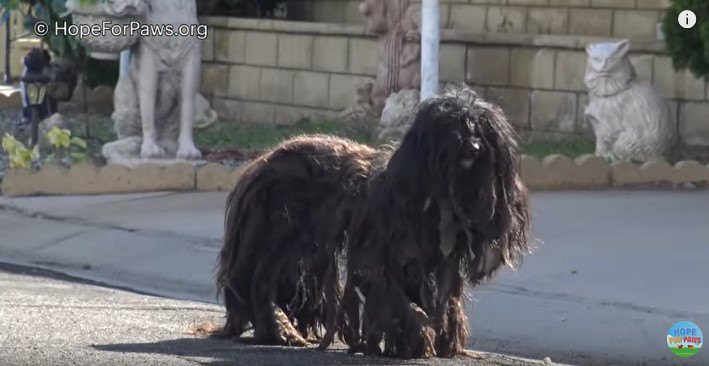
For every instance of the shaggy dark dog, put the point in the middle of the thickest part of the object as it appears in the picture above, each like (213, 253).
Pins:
(446, 208)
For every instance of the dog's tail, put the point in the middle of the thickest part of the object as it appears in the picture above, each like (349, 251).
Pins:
(232, 284)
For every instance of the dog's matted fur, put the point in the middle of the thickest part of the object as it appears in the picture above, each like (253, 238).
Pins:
(446, 208)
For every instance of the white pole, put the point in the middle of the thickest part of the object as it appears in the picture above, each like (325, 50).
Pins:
(430, 47)
(124, 63)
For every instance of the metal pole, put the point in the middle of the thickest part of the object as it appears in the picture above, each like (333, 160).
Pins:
(430, 47)
(124, 63)
(8, 75)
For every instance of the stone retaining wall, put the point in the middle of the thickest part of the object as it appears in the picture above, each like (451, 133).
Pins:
(264, 71)
(604, 18)
(555, 172)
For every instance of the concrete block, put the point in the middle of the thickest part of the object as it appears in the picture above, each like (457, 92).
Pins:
(590, 22)
(515, 103)
(468, 17)
(635, 24)
(488, 66)
(624, 173)
(570, 70)
(592, 172)
(690, 172)
(244, 82)
(363, 56)
(311, 89)
(653, 4)
(627, 4)
(506, 19)
(529, 2)
(330, 54)
(213, 81)
(114, 178)
(532, 68)
(643, 65)
(676, 85)
(343, 89)
(560, 171)
(553, 111)
(295, 51)
(582, 126)
(694, 124)
(208, 47)
(656, 172)
(570, 3)
(261, 48)
(257, 113)
(277, 86)
(229, 45)
(533, 174)
(149, 177)
(227, 109)
(18, 182)
(548, 21)
(289, 115)
(214, 177)
(452, 62)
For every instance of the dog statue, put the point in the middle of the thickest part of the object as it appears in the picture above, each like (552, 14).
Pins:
(411, 226)
(157, 104)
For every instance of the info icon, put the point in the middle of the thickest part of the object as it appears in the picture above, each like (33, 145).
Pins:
(687, 19)
(685, 339)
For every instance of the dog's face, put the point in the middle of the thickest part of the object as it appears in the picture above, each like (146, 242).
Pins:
(465, 156)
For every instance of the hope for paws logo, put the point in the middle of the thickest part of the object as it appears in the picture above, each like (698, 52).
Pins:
(685, 339)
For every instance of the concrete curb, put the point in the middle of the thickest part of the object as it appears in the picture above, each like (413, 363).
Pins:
(555, 172)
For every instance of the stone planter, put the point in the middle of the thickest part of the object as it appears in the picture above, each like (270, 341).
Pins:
(110, 43)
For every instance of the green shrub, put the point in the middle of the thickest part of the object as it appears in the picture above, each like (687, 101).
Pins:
(689, 48)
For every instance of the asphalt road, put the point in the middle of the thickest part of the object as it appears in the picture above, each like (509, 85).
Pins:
(54, 320)
(613, 271)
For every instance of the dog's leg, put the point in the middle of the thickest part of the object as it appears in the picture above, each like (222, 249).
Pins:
(390, 315)
(350, 317)
(237, 313)
(271, 324)
(147, 94)
(190, 80)
(332, 304)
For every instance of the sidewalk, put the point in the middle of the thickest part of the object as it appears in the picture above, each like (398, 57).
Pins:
(615, 270)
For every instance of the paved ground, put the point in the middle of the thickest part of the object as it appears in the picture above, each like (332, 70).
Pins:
(47, 320)
(613, 271)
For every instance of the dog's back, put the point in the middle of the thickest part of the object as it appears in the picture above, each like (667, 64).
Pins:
(282, 235)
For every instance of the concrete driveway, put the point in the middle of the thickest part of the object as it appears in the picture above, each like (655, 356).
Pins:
(612, 272)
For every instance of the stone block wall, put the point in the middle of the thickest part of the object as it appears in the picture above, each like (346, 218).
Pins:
(263, 71)
(603, 18)
(277, 72)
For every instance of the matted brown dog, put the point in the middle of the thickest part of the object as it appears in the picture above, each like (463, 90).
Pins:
(410, 225)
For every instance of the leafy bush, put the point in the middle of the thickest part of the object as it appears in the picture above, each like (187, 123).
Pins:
(689, 48)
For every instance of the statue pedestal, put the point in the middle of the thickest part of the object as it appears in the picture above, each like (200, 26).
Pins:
(133, 163)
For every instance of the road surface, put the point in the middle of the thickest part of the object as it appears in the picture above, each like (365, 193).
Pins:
(612, 272)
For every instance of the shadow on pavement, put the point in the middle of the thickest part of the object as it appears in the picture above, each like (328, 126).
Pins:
(224, 352)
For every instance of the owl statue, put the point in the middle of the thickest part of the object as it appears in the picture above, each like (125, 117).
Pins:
(630, 119)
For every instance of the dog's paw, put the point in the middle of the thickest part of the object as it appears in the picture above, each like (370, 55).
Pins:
(151, 149)
(188, 152)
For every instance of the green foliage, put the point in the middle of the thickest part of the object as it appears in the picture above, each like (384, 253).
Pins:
(689, 48)
(226, 136)
(572, 147)
(67, 150)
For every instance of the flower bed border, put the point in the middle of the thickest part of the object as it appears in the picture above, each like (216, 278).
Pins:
(555, 172)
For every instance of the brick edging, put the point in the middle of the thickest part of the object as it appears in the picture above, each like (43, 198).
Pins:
(555, 172)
